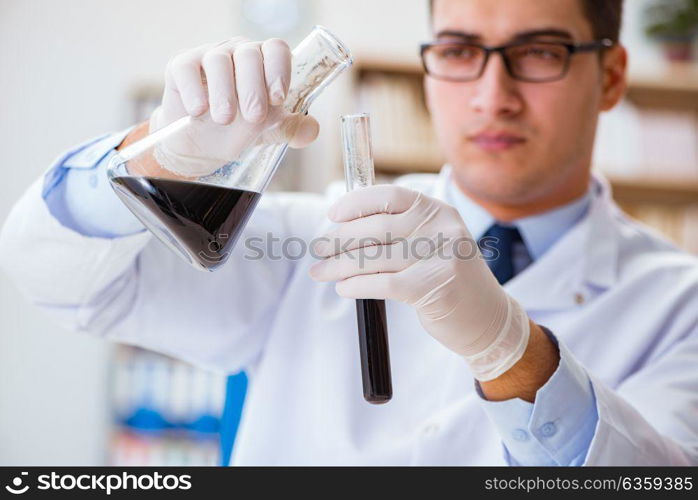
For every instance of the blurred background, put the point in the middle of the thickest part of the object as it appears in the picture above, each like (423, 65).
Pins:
(76, 69)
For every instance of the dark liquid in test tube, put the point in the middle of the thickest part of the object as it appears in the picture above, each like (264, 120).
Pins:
(373, 347)
(370, 313)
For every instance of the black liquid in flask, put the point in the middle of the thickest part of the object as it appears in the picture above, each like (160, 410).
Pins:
(370, 313)
(210, 176)
(202, 221)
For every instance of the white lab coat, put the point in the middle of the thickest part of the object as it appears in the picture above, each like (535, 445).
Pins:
(624, 302)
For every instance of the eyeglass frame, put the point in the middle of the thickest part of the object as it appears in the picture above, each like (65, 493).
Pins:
(572, 49)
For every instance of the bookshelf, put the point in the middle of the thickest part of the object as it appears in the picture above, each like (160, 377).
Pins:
(667, 192)
(665, 197)
(673, 86)
(663, 191)
(163, 411)
(670, 83)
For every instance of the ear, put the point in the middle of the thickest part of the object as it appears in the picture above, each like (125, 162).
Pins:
(614, 78)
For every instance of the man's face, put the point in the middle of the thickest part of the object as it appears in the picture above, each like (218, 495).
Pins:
(512, 142)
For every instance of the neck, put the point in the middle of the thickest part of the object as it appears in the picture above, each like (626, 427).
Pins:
(566, 193)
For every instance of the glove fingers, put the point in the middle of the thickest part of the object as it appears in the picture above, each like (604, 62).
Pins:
(370, 286)
(366, 260)
(184, 76)
(418, 227)
(379, 199)
(250, 82)
(222, 95)
(384, 229)
(277, 69)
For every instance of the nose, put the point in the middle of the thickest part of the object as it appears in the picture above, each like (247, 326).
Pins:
(495, 93)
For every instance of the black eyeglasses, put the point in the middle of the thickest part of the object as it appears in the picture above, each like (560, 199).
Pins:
(537, 62)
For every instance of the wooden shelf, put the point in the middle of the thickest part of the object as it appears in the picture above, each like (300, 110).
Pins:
(406, 165)
(651, 190)
(672, 85)
(674, 77)
(402, 66)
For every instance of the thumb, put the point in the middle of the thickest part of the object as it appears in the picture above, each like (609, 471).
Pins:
(305, 132)
(296, 129)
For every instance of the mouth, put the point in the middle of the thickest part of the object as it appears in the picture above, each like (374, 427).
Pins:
(497, 141)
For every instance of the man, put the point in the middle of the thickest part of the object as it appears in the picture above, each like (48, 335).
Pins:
(582, 338)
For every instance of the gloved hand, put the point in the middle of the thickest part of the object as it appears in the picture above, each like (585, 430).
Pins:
(395, 243)
(235, 89)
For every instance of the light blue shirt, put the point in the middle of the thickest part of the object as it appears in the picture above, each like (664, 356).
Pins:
(532, 433)
(77, 193)
(539, 232)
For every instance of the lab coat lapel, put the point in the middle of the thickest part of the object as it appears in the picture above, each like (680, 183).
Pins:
(582, 263)
(553, 282)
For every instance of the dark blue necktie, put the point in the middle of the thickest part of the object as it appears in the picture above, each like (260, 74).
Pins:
(497, 247)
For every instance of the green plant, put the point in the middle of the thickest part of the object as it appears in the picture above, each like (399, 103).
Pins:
(672, 19)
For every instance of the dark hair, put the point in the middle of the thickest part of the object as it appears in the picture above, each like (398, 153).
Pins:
(605, 17)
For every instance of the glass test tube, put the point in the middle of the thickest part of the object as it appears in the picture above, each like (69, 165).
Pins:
(371, 315)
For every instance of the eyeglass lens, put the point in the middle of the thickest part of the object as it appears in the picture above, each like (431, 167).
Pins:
(531, 61)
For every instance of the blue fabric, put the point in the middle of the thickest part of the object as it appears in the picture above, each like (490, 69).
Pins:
(78, 194)
(236, 388)
(539, 232)
(497, 247)
(558, 429)
(86, 155)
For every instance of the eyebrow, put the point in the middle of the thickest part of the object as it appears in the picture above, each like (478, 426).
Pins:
(518, 37)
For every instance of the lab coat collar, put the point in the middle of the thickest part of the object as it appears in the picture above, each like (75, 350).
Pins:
(581, 264)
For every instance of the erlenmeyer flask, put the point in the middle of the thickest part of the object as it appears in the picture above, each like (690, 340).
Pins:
(198, 204)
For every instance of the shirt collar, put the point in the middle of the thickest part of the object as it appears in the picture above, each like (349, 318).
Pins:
(476, 218)
(539, 232)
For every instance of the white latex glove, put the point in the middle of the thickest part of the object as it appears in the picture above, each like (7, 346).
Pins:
(234, 90)
(433, 264)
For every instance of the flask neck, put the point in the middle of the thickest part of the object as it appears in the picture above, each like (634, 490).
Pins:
(317, 61)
